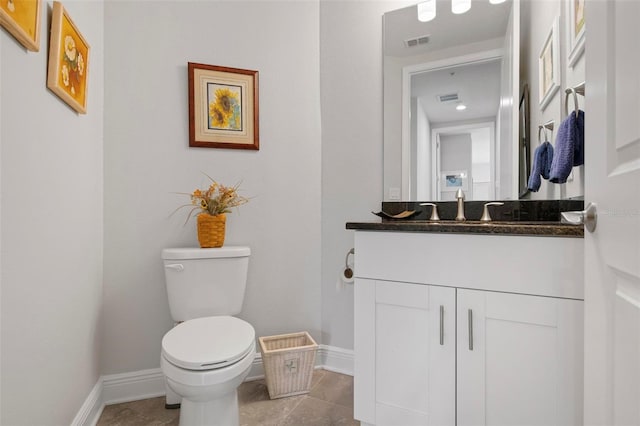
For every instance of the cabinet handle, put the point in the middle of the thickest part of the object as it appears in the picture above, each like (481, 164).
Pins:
(470, 315)
(441, 324)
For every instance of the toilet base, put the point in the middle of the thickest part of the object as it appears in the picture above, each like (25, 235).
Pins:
(172, 400)
(222, 411)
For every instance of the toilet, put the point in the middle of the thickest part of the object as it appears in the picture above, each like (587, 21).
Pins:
(209, 353)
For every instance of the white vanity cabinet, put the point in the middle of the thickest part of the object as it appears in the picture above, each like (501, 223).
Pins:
(467, 329)
(405, 357)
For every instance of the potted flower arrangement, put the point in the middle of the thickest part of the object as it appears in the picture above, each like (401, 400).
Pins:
(214, 203)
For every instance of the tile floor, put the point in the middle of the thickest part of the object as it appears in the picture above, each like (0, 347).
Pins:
(330, 402)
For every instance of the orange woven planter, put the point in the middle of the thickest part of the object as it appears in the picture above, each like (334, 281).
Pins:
(211, 230)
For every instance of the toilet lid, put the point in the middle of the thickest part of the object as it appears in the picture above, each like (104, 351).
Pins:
(208, 343)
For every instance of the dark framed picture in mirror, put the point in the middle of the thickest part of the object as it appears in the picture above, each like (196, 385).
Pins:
(524, 143)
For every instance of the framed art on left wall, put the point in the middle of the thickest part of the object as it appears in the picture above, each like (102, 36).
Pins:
(68, 60)
(21, 18)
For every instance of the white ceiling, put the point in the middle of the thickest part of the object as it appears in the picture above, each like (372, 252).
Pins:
(478, 85)
(484, 21)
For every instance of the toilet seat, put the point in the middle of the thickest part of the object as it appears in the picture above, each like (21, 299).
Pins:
(208, 343)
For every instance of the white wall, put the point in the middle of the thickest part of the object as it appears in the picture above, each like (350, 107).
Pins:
(423, 156)
(351, 82)
(147, 158)
(537, 19)
(51, 231)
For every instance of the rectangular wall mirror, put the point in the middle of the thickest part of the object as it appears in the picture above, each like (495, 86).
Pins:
(452, 103)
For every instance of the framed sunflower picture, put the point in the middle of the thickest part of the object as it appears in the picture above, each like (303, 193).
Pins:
(68, 60)
(223, 107)
(21, 18)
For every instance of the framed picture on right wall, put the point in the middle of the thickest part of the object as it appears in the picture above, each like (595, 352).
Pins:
(549, 66)
(576, 30)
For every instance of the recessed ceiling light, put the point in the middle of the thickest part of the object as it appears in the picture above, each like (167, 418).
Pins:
(460, 6)
(461, 107)
(426, 10)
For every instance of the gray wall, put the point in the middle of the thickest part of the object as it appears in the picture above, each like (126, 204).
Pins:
(51, 231)
(94, 194)
(148, 159)
(351, 96)
(537, 18)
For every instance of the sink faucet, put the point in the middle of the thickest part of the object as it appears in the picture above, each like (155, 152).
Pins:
(460, 198)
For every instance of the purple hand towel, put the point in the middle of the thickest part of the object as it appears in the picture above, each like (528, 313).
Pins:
(542, 158)
(569, 149)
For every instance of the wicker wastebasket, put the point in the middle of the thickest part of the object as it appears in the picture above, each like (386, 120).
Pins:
(288, 361)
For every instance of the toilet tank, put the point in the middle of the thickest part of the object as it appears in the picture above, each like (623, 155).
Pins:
(205, 282)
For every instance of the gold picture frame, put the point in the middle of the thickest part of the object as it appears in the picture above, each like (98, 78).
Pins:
(21, 18)
(576, 31)
(223, 107)
(68, 60)
(549, 66)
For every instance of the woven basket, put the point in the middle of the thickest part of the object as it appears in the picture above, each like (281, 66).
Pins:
(211, 230)
(288, 361)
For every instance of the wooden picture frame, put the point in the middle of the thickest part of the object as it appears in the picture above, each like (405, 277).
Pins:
(549, 66)
(68, 60)
(223, 107)
(576, 31)
(21, 18)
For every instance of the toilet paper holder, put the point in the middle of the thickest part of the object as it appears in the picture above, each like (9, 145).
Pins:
(348, 271)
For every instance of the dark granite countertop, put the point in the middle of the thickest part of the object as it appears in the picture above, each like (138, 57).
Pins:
(548, 228)
(522, 217)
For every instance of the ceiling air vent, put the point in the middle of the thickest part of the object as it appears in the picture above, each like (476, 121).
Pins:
(448, 98)
(412, 42)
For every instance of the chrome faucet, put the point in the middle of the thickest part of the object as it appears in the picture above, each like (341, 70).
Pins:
(434, 211)
(486, 217)
(460, 198)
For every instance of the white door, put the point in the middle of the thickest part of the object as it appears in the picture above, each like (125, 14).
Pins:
(404, 353)
(519, 359)
(612, 181)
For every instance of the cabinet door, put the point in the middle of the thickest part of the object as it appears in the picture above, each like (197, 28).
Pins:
(404, 353)
(519, 359)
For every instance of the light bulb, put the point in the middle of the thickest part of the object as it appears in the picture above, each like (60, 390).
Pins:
(426, 10)
(460, 6)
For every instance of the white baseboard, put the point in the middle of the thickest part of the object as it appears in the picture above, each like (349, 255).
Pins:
(132, 386)
(330, 358)
(143, 384)
(92, 408)
(336, 359)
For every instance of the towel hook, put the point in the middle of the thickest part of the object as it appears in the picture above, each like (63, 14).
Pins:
(549, 125)
(575, 91)
(542, 128)
(568, 92)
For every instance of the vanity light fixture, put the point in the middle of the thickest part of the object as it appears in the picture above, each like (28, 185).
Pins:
(461, 107)
(460, 6)
(426, 10)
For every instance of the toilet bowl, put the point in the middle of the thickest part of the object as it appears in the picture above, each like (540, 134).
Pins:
(204, 360)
